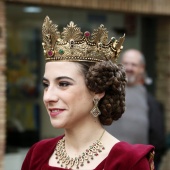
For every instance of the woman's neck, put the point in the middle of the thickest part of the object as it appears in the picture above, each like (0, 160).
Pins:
(79, 139)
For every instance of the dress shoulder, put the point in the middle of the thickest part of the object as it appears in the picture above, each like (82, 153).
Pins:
(130, 156)
(34, 159)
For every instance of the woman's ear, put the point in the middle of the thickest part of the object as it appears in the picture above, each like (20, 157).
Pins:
(99, 95)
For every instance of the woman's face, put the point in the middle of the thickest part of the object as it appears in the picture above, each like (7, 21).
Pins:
(66, 97)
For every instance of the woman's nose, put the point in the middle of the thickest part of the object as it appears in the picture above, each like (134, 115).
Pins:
(50, 95)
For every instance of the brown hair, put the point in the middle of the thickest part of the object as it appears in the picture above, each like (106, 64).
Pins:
(109, 78)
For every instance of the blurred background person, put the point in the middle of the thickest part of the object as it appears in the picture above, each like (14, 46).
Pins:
(143, 120)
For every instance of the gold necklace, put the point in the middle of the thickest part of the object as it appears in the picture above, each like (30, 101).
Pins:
(64, 160)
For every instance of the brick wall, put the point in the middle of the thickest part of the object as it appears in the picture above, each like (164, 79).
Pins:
(163, 75)
(2, 82)
(163, 66)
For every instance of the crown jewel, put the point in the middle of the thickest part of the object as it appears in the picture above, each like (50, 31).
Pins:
(73, 45)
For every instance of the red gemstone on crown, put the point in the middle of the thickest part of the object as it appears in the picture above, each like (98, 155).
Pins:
(87, 34)
(50, 53)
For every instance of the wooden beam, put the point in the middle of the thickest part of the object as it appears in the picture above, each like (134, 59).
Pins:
(151, 7)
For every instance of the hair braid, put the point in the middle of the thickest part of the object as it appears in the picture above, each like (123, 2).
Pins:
(111, 79)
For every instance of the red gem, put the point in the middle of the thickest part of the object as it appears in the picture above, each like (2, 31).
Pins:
(87, 34)
(96, 154)
(50, 53)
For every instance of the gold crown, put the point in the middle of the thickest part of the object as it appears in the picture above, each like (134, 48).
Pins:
(73, 45)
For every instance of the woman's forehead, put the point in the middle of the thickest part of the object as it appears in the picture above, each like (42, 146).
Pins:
(61, 64)
(68, 68)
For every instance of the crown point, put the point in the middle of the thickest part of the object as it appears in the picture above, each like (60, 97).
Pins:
(102, 26)
(87, 34)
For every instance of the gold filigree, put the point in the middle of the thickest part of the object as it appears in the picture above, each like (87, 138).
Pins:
(73, 45)
(50, 32)
(100, 35)
(151, 160)
(71, 32)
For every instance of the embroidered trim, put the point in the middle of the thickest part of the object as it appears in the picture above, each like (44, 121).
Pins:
(151, 160)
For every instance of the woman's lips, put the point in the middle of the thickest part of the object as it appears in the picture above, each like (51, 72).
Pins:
(55, 112)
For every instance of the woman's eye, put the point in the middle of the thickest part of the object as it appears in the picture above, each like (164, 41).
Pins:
(64, 84)
(45, 85)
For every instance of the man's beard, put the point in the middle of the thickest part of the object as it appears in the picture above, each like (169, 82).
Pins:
(131, 80)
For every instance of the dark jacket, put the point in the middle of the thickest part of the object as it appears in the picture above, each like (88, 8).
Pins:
(157, 127)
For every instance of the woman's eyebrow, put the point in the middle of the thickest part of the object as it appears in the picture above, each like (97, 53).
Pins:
(64, 77)
(59, 78)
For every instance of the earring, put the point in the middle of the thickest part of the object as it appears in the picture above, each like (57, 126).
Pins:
(95, 111)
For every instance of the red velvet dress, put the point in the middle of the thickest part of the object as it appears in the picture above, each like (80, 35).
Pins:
(123, 156)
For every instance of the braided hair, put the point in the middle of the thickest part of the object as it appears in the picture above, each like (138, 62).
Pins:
(109, 78)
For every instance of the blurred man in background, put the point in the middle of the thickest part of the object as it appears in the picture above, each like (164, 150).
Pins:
(143, 120)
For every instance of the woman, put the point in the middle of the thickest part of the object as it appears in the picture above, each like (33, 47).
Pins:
(84, 89)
